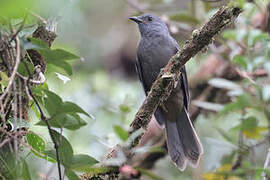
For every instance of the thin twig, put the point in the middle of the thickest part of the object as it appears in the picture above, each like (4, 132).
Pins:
(265, 140)
(27, 90)
(20, 104)
(19, 133)
(3, 109)
(266, 164)
(6, 140)
(37, 16)
(17, 62)
(244, 75)
(42, 78)
(10, 147)
(239, 160)
(15, 107)
(46, 120)
(258, 73)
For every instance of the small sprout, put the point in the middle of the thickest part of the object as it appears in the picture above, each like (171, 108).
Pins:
(195, 33)
(167, 75)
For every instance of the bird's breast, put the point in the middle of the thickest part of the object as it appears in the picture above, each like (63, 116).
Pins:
(154, 54)
(158, 50)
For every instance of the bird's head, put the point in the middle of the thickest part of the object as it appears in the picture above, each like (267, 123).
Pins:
(149, 24)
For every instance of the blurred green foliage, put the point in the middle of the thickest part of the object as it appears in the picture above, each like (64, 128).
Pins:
(107, 103)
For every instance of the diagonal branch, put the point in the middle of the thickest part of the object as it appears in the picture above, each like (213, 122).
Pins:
(165, 82)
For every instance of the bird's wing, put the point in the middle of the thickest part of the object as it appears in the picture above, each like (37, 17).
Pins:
(184, 80)
(184, 85)
(139, 71)
(158, 114)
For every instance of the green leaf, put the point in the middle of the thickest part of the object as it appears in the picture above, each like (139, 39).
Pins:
(227, 159)
(23, 71)
(36, 142)
(65, 149)
(256, 35)
(249, 123)
(4, 79)
(230, 34)
(71, 175)
(241, 102)
(225, 135)
(124, 108)
(39, 90)
(186, 18)
(53, 96)
(267, 113)
(51, 154)
(58, 57)
(157, 150)
(250, 128)
(27, 31)
(254, 133)
(268, 53)
(38, 42)
(266, 171)
(240, 60)
(65, 66)
(70, 121)
(34, 43)
(100, 170)
(54, 55)
(122, 134)
(239, 3)
(63, 114)
(80, 162)
(52, 102)
(51, 69)
(71, 107)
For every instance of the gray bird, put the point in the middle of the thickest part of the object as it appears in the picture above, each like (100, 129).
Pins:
(155, 49)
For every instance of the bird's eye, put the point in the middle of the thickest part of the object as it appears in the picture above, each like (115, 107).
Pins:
(150, 18)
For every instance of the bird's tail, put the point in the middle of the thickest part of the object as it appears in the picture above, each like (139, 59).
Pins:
(186, 147)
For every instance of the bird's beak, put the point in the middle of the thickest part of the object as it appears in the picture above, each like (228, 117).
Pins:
(136, 19)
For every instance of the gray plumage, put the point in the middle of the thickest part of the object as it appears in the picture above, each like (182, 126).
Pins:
(155, 49)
